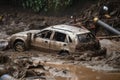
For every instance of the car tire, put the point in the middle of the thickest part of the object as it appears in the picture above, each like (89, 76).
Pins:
(103, 51)
(19, 46)
(64, 53)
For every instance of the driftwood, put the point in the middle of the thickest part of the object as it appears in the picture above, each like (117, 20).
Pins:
(109, 37)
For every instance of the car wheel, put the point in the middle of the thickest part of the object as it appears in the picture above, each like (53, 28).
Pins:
(64, 53)
(19, 46)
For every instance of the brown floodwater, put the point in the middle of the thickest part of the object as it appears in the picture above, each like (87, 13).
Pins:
(77, 72)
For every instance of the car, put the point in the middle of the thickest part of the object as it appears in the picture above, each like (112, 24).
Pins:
(63, 39)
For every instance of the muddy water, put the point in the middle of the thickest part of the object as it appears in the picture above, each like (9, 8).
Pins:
(76, 72)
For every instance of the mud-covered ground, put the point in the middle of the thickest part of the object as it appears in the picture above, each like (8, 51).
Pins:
(51, 66)
(33, 64)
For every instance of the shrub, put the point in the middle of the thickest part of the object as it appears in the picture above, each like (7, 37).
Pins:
(38, 5)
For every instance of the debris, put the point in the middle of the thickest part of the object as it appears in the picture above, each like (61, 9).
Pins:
(112, 17)
(110, 37)
(106, 26)
(36, 78)
(4, 59)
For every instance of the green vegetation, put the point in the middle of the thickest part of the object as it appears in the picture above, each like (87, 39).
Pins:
(38, 5)
(45, 5)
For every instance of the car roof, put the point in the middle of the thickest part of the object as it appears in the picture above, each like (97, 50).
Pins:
(69, 29)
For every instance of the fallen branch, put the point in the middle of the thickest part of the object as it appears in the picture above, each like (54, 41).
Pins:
(109, 37)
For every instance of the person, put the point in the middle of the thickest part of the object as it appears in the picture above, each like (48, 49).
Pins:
(104, 12)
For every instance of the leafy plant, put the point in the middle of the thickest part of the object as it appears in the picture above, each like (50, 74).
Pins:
(61, 3)
(38, 5)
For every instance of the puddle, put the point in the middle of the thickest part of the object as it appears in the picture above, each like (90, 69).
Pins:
(70, 71)
(63, 70)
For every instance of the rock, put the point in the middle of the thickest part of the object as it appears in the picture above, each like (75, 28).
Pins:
(7, 77)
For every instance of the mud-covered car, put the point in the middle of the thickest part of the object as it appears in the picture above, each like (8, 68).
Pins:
(59, 38)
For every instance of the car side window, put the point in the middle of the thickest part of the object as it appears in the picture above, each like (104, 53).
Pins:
(45, 34)
(59, 37)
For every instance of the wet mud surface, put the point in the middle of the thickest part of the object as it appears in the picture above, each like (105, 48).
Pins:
(36, 65)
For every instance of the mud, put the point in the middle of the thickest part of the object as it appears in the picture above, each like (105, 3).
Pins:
(16, 20)
(33, 65)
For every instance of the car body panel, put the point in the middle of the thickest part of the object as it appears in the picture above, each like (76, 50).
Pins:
(42, 44)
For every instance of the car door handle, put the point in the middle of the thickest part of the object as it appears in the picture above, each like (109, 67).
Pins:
(46, 41)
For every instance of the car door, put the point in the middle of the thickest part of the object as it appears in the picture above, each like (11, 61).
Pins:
(42, 40)
(58, 42)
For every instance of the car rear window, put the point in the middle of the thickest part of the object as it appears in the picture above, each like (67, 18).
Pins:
(85, 37)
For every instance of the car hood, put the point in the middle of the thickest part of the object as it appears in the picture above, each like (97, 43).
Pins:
(23, 34)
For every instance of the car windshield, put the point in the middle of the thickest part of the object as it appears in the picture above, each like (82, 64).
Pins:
(85, 37)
